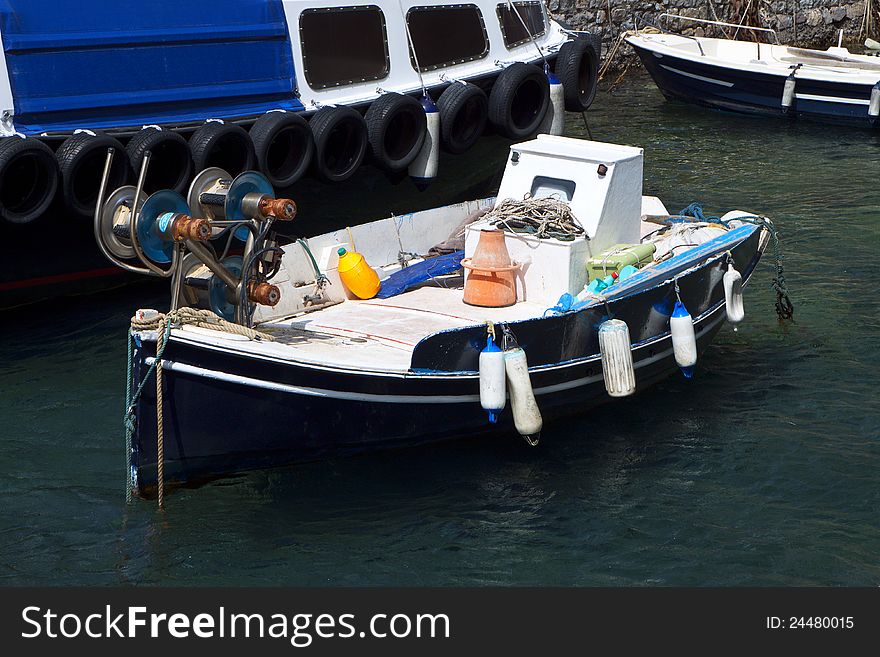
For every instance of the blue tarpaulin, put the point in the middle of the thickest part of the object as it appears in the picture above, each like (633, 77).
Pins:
(400, 281)
(100, 64)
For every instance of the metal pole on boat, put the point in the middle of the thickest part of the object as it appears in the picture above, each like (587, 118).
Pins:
(132, 221)
(99, 205)
(208, 260)
(177, 280)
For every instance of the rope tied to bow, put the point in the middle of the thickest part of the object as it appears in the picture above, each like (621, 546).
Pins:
(784, 305)
(163, 323)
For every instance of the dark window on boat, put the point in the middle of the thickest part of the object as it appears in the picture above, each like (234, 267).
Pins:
(444, 35)
(531, 13)
(343, 45)
(543, 186)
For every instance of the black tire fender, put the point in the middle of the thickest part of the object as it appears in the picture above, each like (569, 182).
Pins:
(81, 159)
(29, 179)
(340, 135)
(171, 166)
(284, 147)
(396, 127)
(464, 111)
(519, 100)
(224, 145)
(577, 67)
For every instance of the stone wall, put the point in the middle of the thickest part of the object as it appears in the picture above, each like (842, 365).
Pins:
(808, 23)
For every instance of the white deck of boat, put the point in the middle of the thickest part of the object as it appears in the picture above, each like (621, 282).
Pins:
(376, 335)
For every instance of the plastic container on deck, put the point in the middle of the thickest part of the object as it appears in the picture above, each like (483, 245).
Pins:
(360, 279)
(619, 256)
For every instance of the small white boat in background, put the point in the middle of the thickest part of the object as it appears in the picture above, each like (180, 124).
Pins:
(765, 78)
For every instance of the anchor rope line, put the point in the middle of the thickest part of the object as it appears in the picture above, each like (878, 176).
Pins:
(541, 217)
(784, 305)
(164, 323)
(128, 434)
(160, 419)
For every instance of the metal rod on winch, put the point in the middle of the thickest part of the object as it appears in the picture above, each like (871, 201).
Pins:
(132, 224)
(177, 280)
(99, 237)
(211, 263)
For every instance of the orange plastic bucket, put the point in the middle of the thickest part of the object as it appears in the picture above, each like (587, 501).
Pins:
(491, 282)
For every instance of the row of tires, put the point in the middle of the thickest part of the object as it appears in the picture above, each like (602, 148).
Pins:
(332, 144)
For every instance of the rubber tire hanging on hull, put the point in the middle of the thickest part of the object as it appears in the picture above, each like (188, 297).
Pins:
(81, 160)
(577, 67)
(396, 128)
(223, 145)
(29, 179)
(340, 135)
(464, 111)
(284, 147)
(519, 101)
(171, 166)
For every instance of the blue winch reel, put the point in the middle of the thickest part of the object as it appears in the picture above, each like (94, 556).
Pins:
(218, 292)
(157, 211)
(245, 183)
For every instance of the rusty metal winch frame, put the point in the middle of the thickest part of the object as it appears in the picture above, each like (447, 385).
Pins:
(215, 196)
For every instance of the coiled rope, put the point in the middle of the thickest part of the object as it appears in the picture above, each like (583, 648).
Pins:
(163, 324)
(542, 217)
(784, 305)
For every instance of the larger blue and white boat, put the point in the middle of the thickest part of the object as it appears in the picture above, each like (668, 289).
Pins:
(299, 89)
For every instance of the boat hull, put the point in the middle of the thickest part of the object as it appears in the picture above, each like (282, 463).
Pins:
(226, 413)
(739, 90)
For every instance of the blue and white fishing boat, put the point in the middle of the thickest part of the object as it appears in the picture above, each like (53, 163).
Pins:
(762, 78)
(297, 89)
(299, 368)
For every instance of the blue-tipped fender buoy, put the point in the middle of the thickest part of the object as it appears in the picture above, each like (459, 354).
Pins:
(423, 169)
(733, 295)
(684, 341)
(554, 121)
(493, 391)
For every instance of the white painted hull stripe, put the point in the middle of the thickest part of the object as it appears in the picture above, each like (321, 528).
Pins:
(721, 83)
(832, 99)
(183, 368)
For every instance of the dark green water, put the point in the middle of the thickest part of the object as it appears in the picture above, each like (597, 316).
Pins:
(764, 470)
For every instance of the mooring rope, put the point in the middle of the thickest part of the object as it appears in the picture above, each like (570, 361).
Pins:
(163, 323)
(784, 305)
(195, 317)
(160, 418)
(541, 217)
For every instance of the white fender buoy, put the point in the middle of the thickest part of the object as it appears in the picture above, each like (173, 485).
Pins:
(684, 341)
(617, 361)
(733, 295)
(554, 121)
(874, 103)
(423, 169)
(526, 416)
(788, 92)
(493, 391)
